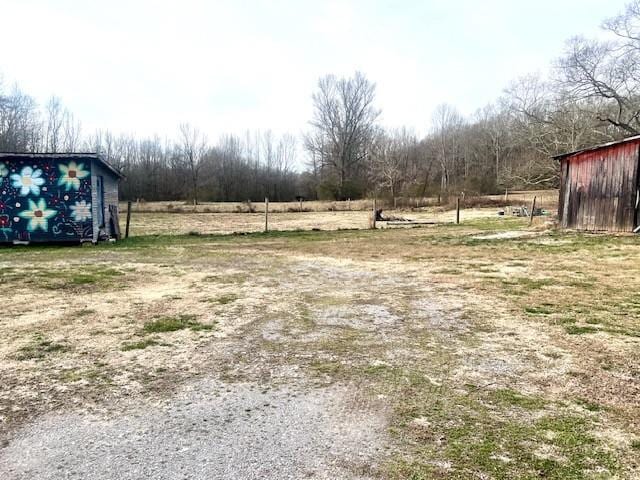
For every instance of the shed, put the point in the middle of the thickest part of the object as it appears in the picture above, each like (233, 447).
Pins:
(599, 187)
(57, 197)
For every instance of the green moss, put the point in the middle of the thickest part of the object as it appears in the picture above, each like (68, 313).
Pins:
(538, 310)
(578, 330)
(225, 299)
(139, 345)
(589, 405)
(527, 283)
(172, 324)
(514, 398)
(39, 348)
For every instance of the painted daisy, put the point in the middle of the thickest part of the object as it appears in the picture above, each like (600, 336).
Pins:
(71, 175)
(4, 171)
(28, 181)
(81, 211)
(38, 215)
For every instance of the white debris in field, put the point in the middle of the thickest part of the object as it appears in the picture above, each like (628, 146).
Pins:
(506, 235)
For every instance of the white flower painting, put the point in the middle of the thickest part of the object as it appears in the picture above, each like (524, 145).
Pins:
(28, 181)
(81, 211)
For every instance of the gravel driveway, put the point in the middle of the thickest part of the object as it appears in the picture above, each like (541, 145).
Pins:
(209, 430)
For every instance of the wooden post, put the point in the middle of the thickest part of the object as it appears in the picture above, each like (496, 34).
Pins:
(458, 210)
(266, 214)
(506, 194)
(349, 204)
(533, 207)
(126, 231)
(300, 205)
(373, 215)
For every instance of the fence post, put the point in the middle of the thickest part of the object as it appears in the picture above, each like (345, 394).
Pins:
(126, 231)
(300, 204)
(266, 214)
(457, 210)
(373, 215)
(533, 207)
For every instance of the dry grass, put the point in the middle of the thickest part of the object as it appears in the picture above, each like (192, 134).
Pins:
(247, 207)
(545, 198)
(500, 351)
(224, 223)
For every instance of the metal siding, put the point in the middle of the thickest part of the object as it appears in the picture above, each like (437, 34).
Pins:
(52, 207)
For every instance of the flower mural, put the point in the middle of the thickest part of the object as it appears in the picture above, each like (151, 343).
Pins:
(45, 199)
(71, 175)
(81, 211)
(28, 181)
(38, 215)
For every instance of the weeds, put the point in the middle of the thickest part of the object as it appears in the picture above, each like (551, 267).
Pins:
(39, 348)
(172, 324)
(139, 345)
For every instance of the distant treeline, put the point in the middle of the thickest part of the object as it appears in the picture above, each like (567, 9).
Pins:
(591, 96)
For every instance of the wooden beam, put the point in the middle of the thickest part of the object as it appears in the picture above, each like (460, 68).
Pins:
(126, 232)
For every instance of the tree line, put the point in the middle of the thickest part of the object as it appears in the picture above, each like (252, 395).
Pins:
(591, 96)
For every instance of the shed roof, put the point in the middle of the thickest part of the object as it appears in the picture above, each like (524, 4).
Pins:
(596, 147)
(8, 156)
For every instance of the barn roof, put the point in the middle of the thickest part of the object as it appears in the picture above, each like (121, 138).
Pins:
(7, 156)
(596, 147)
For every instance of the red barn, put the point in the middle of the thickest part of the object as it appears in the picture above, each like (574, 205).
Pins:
(599, 187)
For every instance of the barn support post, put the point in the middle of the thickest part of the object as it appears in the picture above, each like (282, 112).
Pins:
(266, 214)
(126, 231)
(533, 207)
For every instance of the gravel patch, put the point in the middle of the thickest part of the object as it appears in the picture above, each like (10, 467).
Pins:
(209, 431)
(368, 317)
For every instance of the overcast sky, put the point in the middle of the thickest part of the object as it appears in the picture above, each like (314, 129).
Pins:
(143, 67)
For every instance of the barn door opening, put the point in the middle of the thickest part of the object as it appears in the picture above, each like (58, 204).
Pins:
(100, 200)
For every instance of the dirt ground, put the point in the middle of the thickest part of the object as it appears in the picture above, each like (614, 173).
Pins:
(483, 350)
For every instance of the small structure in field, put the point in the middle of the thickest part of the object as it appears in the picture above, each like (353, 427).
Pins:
(57, 197)
(599, 187)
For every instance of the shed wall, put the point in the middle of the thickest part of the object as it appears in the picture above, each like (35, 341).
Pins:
(45, 200)
(110, 182)
(599, 188)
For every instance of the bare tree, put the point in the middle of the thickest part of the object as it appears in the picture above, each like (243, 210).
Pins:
(193, 146)
(20, 124)
(390, 160)
(447, 124)
(607, 73)
(54, 124)
(343, 125)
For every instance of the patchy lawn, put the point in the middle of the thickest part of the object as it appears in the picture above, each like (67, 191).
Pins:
(481, 350)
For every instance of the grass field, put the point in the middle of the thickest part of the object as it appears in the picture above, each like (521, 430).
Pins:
(162, 223)
(488, 349)
(544, 198)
